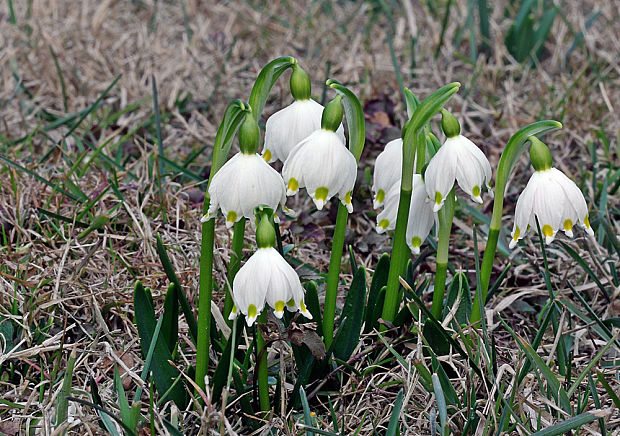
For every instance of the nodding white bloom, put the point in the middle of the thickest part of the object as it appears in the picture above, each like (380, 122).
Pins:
(458, 158)
(551, 197)
(322, 164)
(388, 170)
(244, 182)
(421, 216)
(266, 277)
(287, 127)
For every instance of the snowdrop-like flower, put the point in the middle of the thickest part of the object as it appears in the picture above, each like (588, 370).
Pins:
(459, 159)
(421, 216)
(551, 197)
(266, 277)
(287, 127)
(322, 164)
(388, 170)
(245, 181)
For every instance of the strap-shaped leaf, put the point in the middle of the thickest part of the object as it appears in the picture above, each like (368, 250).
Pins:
(379, 280)
(355, 118)
(352, 318)
(265, 81)
(164, 374)
(171, 305)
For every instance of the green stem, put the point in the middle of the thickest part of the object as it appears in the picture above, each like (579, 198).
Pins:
(446, 215)
(485, 273)
(205, 293)
(333, 276)
(400, 250)
(234, 264)
(261, 365)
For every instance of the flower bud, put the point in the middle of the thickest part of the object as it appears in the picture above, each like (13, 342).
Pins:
(540, 156)
(300, 84)
(449, 124)
(249, 135)
(332, 114)
(265, 234)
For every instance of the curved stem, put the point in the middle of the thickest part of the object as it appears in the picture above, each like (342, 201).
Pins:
(234, 264)
(446, 214)
(515, 147)
(333, 276)
(261, 365)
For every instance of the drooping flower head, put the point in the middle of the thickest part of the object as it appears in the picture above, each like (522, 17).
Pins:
(457, 159)
(287, 127)
(245, 181)
(551, 197)
(321, 163)
(266, 277)
(421, 216)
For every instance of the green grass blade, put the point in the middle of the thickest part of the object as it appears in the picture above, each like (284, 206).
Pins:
(441, 404)
(566, 426)
(63, 398)
(392, 428)
(306, 409)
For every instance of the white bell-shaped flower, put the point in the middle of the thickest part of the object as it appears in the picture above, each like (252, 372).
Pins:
(457, 159)
(289, 126)
(421, 216)
(388, 170)
(322, 164)
(551, 197)
(266, 277)
(244, 182)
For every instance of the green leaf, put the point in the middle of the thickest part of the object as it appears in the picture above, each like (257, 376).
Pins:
(170, 325)
(311, 299)
(430, 106)
(348, 335)
(379, 280)
(614, 397)
(459, 286)
(441, 404)
(306, 409)
(265, 81)
(411, 101)
(62, 406)
(355, 118)
(394, 418)
(164, 374)
(171, 308)
(566, 426)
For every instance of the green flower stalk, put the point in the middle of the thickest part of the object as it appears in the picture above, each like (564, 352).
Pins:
(414, 143)
(516, 146)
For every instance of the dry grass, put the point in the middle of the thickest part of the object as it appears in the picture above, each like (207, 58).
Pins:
(68, 293)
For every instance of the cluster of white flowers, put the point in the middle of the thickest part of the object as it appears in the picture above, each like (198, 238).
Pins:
(309, 140)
